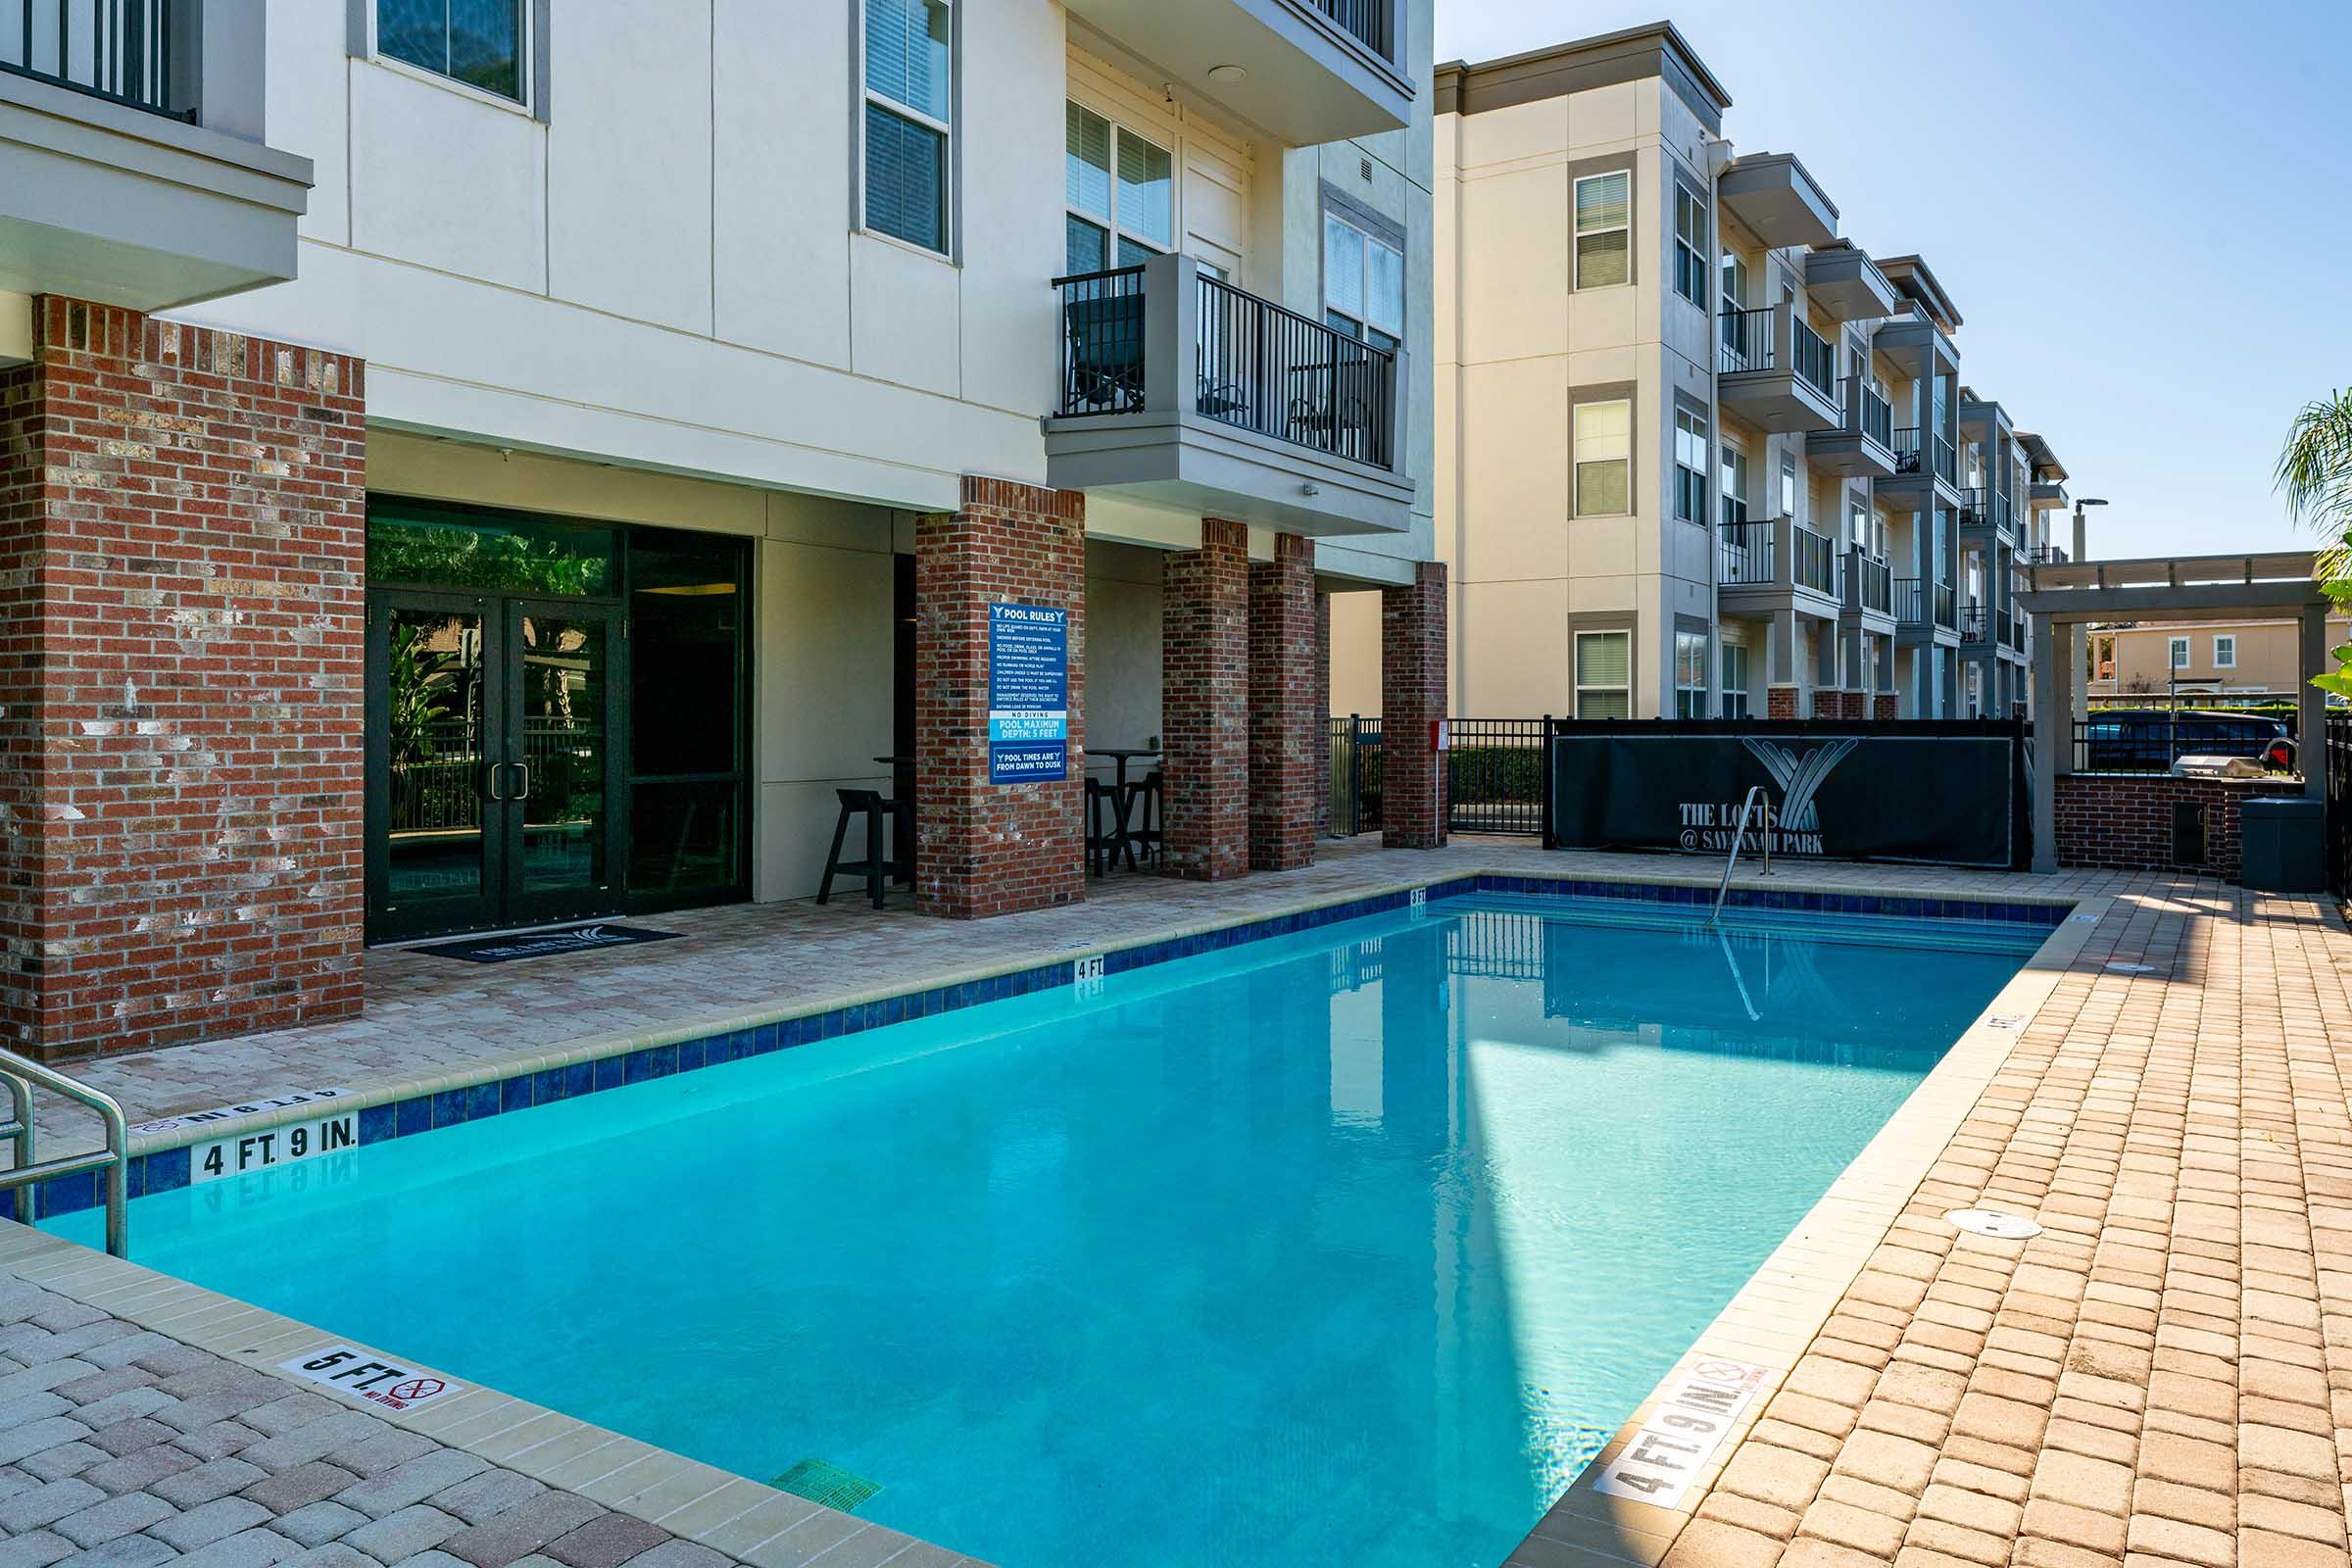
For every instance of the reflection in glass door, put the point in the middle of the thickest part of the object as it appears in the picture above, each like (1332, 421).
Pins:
(564, 692)
(433, 755)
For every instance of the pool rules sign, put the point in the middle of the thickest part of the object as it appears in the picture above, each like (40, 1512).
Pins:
(1028, 694)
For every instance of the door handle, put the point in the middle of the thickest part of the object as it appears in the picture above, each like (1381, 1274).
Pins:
(522, 791)
(489, 783)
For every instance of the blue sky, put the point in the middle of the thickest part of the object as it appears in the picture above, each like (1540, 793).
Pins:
(2141, 211)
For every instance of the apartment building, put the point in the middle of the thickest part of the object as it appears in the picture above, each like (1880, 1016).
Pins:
(1697, 454)
(2200, 661)
(469, 468)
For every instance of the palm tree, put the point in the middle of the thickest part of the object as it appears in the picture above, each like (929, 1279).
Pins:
(2315, 473)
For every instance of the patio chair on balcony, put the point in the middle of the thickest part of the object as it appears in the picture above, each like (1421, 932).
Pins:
(1331, 406)
(1105, 354)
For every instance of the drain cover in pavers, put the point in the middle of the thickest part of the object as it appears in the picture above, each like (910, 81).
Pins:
(827, 1484)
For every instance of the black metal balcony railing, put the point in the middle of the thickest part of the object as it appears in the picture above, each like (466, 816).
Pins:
(2007, 627)
(1973, 619)
(1816, 360)
(1907, 449)
(1946, 604)
(1910, 602)
(1272, 371)
(1743, 552)
(1871, 580)
(1260, 366)
(1367, 20)
(1747, 341)
(118, 50)
(1877, 419)
(1947, 461)
(2004, 515)
(2046, 555)
(1813, 560)
(1976, 511)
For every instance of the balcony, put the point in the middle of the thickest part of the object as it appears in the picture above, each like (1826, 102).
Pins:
(1776, 372)
(1986, 511)
(2046, 495)
(1776, 198)
(132, 171)
(1845, 282)
(1925, 475)
(1307, 72)
(1975, 625)
(1921, 607)
(1869, 585)
(1774, 559)
(1180, 389)
(1862, 446)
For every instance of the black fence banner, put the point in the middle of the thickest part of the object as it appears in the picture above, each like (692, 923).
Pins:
(1948, 792)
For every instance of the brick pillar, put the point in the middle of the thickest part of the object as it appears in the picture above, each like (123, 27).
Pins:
(1780, 701)
(183, 609)
(1322, 713)
(1883, 706)
(993, 848)
(1205, 705)
(1285, 707)
(1412, 698)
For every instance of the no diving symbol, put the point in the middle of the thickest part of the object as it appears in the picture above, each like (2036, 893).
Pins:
(417, 1389)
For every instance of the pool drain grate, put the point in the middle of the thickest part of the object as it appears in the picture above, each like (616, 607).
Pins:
(826, 1484)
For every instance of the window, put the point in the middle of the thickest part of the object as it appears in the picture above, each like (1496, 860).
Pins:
(1604, 674)
(1734, 680)
(1604, 230)
(1119, 188)
(1363, 284)
(1734, 284)
(1858, 526)
(478, 42)
(2225, 652)
(1691, 467)
(1735, 486)
(1689, 240)
(1689, 674)
(1788, 485)
(909, 76)
(2179, 653)
(1604, 454)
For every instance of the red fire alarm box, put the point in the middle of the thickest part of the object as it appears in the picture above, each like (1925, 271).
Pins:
(1438, 740)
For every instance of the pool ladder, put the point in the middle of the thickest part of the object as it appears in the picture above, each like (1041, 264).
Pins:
(1757, 800)
(23, 1075)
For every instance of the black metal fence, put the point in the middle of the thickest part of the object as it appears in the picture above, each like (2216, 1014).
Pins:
(1368, 20)
(1743, 554)
(1270, 369)
(1747, 343)
(1494, 775)
(118, 50)
(1102, 342)
(2337, 744)
(1356, 758)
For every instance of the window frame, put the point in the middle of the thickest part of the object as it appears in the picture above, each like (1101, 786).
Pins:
(1735, 693)
(1576, 465)
(867, 97)
(2221, 640)
(365, 34)
(1367, 330)
(1114, 230)
(1690, 259)
(1732, 488)
(1690, 700)
(1577, 233)
(1690, 483)
(2177, 653)
(1576, 668)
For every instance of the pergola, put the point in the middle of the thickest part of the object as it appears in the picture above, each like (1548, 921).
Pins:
(2063, 597)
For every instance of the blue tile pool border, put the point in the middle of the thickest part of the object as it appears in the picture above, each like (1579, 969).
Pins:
(162, 1170)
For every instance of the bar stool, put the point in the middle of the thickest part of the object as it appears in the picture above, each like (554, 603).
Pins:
(1103, 844)
(876, 866)
(1148, 834)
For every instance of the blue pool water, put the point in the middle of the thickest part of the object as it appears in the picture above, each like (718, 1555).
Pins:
(1345, 1247)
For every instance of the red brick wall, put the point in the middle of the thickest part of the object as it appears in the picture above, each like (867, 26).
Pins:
(182, 598)
(991, 849)
(1204, 704)
(1780, 702)
(2125, 820)
(1884, 705)
(1412, 697)
(1285, 707)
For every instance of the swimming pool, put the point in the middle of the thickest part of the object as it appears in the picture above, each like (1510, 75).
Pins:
(1346, 1245)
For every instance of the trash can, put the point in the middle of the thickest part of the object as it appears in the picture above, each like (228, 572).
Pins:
(2283, 844)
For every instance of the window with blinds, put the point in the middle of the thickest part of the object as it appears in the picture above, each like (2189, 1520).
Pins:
(1120, 194)
(1735, 486)
(1604, 205)
(1363, 284)
(1690, 245)
(1604, 674)
(1605, 450)
(910, 103)
(1689, 467)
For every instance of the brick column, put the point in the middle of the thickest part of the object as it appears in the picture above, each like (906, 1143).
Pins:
(183, 609)
(1412, 698)
(992, 849)
(1883, 705)
(1205, 705)
(1780, 701)
(1322, 713)
(1284, 706)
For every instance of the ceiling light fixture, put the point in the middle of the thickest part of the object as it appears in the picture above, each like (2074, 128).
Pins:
(1229, 73)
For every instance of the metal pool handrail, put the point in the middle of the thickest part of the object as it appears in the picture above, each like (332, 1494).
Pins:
(1756, 797)
(20, 1074)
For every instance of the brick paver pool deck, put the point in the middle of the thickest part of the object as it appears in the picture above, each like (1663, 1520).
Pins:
(2164, 1376)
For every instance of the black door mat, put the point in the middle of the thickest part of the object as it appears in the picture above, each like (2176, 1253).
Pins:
(546, 944)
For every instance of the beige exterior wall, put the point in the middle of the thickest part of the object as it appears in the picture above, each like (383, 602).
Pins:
(2136, 661)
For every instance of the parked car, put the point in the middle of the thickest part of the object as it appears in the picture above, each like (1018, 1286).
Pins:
(2122, 740)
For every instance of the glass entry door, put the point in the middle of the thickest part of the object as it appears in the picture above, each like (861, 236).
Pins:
(492, 768)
